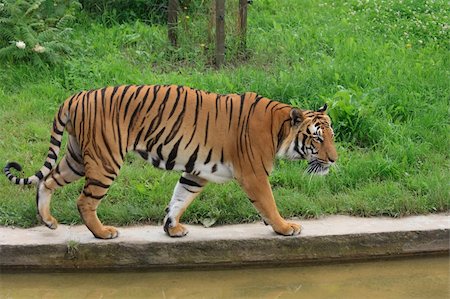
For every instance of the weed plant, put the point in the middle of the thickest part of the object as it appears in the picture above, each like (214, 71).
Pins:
(382, 66)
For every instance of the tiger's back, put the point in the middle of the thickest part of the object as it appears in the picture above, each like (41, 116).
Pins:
(177, 128)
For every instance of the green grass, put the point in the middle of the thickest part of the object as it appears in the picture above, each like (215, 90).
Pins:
(382, 67)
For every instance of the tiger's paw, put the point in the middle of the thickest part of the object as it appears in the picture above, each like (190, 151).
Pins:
(49, 222)
(289, 229)
(107, 232)
(174, 230)
(177, 231)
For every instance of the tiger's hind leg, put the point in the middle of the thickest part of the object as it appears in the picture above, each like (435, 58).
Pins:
(88, 202)
(68, 170)
(98, 180)
(186, 190)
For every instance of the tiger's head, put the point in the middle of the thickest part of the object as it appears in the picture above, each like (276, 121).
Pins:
(310, 137)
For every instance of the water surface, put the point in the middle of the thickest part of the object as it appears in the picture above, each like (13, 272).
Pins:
(412, 278)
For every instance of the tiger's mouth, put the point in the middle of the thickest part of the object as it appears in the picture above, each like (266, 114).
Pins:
(317, 167)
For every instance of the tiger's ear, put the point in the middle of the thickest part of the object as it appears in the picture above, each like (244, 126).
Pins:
(296, 117)
(323, 108)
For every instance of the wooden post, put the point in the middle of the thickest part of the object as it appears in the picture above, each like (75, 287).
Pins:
(172, 21)
(242, 25)
(220, 32)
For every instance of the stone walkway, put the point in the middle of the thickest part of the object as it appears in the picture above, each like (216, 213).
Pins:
(331, 238)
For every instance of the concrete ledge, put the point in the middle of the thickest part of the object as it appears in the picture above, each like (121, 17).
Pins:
(333, 238)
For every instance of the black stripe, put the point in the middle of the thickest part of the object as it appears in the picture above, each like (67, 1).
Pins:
(217, 106)
(143, 154)
(110, 177)
(111, 98)
(152, 142)
(138, 136)
(241, 107)
(48, 165)
(73, 169)
(172, 156)
(61, 123)
(56, 181)
(197, 106)
(25, 181)
(231, 114)
(52, 155)
(13, 165)
(280, 136)
(39, 175)
(173, 131)
(177, 99)
(189, 190)
(144, 99)
(155, 124)
(189, 182)
(94, 182)
(264, 166)
(123, 94)
(73, 155)
(88, 194)
(304, 143)
(17, 181)
(159, 152)
(75, 114)
(214, 168)
(55, 129)
(194, 130)
(206, 129)
(131, 123)
(156, 162)
(136, 94)
(208, 158)
(109, 149)
(55, 142)
(118, 123)
(190, 164)
(296, 149)
(268, 104)
(156, 89)
(71, 99)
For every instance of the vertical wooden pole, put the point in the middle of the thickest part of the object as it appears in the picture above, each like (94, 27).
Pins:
(242, 25)
(220, 32)
(172, 21)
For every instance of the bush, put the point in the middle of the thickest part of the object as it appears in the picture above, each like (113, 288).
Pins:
(35, 30)
(122, 11)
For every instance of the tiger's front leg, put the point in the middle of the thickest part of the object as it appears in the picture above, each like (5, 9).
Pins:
(186, 190)
(260, 194)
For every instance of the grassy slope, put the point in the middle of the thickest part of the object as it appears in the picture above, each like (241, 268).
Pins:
(388, 91)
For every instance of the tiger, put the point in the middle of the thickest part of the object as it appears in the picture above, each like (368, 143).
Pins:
(209, 137)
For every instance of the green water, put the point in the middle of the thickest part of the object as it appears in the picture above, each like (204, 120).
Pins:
(412, 278)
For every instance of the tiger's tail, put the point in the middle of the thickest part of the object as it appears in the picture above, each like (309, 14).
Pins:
(59, 124)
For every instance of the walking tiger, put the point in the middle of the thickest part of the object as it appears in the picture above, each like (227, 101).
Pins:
(207, 136)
